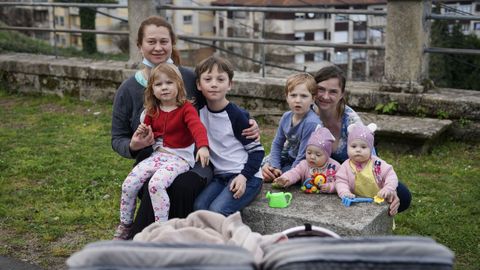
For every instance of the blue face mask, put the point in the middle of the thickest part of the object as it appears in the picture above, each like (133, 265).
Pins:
(147, 63)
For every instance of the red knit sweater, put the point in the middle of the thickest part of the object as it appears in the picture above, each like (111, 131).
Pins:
(179, 128)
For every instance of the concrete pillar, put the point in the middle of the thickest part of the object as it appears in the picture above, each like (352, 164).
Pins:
(408, 33)
(137, 11)
(349, 52)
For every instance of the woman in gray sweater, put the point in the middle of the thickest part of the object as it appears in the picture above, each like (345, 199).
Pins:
(156, 41)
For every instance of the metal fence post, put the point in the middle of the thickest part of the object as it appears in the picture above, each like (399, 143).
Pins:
(408, 34)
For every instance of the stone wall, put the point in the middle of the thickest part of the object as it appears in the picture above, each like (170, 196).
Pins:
(98, 80)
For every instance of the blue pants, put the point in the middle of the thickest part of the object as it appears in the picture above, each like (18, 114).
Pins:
(405, 197)
(217, 196)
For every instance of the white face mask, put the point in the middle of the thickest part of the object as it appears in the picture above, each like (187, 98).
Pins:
(149, 64)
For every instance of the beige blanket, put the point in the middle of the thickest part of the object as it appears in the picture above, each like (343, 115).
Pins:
(209, 228)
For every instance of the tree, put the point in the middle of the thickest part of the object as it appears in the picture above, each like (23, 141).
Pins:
(87, 21)
(454, 70)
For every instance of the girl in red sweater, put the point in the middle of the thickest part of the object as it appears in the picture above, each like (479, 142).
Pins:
(174, 128)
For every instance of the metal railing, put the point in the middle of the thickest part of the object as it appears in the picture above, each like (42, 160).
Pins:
(54, 29)
(261, 40)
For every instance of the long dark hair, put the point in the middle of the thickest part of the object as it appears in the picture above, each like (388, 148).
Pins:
(329, 72)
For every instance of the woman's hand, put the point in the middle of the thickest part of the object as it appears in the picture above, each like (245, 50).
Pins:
(269, 173)
(238, 186)
(142, 138)
(203, 155)
(253, 132)
(394, 202)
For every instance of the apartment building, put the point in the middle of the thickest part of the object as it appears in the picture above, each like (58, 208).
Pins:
(458, 8)
(68, 18)
(307, 26)
(193, 23)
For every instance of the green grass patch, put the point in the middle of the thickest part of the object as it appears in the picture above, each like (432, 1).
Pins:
(60, 182)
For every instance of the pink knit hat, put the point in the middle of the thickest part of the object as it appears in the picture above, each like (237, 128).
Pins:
(361, 132)
(322, 138)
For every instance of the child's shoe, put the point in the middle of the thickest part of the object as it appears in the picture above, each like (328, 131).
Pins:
(123, 232)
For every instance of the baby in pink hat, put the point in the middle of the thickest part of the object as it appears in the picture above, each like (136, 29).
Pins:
(364, 174)
(317, 162)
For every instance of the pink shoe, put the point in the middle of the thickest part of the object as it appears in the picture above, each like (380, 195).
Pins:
(122, 232)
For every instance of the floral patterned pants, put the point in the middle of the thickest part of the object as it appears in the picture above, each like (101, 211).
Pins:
(163, 168)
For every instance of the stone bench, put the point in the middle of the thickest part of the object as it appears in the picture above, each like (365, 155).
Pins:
(323, 210)
(404, 133)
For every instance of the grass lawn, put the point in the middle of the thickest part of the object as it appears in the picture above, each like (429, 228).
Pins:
(60, 183)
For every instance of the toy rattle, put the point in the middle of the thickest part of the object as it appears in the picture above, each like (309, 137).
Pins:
(312, 184)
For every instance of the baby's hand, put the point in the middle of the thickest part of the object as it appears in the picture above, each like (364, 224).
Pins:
(281, 181)
(203, 155)
(326, 187)
(142, 129)
(349, 195)
(384, 193)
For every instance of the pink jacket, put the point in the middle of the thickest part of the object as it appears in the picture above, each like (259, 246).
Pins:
(302, 172)
(383, 172)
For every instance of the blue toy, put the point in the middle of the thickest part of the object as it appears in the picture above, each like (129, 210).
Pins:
(348, 201)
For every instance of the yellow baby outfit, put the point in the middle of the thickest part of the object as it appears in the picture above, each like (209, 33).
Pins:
(365, 181)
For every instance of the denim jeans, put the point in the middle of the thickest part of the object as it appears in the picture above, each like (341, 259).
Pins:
(217, 196)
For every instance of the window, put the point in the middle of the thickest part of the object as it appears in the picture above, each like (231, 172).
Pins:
(240, 14)
(358, 18)
(299, 58)
(340, 37)
(341, 18)
(465, 8)
(318, 56)
(341, 58)
(476, 26)
(450, 9)
(299, 16)
(187, 19)
(320, 35)
(378, 9)
(465, 28)
(356, 54)
(359, 35)
(300, 36)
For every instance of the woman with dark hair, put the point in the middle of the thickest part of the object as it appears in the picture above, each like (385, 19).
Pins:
(156, 42)
(336, 115)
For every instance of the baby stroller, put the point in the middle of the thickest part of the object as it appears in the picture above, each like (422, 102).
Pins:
(302, 247)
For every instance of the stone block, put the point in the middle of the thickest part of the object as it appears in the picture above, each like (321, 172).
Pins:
(323, 210)
(407, 134)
